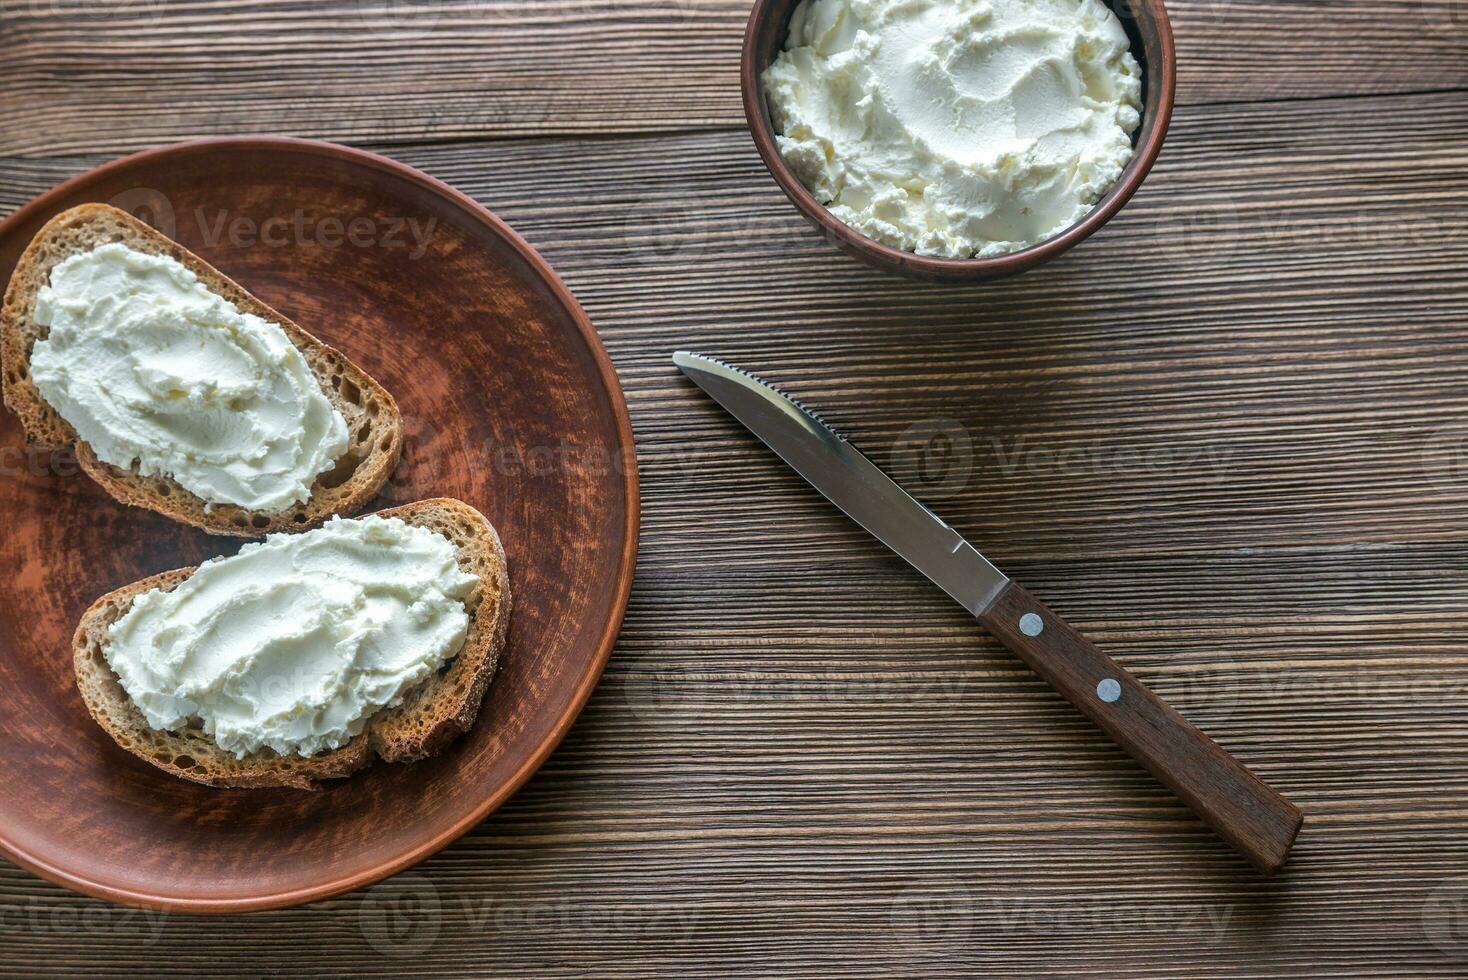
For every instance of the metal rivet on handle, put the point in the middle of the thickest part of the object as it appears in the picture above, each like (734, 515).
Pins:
(1030, 624)
(1109, 690)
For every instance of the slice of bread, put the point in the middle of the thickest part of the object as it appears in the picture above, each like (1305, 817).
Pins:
(373, 421)
(429, 717)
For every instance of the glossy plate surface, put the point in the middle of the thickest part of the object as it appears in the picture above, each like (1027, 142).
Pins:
(511, 405)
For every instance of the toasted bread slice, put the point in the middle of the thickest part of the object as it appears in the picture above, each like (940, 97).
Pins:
(373, 420)
(431, 715)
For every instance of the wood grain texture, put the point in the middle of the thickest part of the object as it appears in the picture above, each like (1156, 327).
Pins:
(117, 75)
(1224, 438)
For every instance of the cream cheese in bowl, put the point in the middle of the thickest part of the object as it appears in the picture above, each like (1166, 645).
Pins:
(956, 128)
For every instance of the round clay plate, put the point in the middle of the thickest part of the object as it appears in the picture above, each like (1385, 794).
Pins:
(511, 405)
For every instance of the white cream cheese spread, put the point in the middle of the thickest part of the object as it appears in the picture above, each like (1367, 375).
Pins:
(151, 367)
(956, 128)
(295, 642)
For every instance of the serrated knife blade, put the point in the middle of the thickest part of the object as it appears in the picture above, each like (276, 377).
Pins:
(850, 481)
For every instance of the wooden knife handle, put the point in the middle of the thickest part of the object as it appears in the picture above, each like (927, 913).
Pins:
(1237, 804)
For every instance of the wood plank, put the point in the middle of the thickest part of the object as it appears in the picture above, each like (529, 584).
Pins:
(117, 75)
(804, 759)
(765, 780)
(1237, 352)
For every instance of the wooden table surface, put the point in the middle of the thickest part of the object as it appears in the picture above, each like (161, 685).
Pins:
(1227, 437)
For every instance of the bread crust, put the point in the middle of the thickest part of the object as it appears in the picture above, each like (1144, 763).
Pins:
(374, 423)
(431, 716)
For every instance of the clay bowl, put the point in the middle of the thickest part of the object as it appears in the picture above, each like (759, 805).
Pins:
(1146, 24)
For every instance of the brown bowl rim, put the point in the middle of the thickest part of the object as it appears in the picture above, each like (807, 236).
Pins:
(961, 270)
(217, 905)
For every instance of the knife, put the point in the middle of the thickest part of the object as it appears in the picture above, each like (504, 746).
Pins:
(1242, 809)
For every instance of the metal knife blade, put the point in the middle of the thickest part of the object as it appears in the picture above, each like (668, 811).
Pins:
(850, 481)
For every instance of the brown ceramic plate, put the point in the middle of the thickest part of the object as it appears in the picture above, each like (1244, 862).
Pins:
(511, 405)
